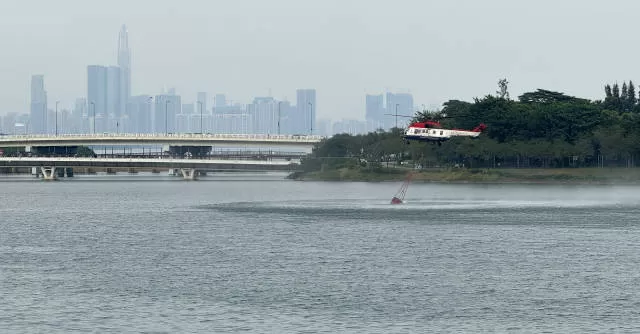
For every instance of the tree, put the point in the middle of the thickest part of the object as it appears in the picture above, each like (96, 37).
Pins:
(547, 96)
(615, 91)
(503, 91)
(632, 100)
(607, 91)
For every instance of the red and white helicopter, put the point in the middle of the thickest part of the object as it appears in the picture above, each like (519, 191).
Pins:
(433, 131)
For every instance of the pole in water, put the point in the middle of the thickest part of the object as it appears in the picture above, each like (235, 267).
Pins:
(399, 196)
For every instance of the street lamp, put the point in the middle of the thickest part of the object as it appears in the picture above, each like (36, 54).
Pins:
(57, 117)
(311, 117)
(148, 127)
(94, 116)
(397, 115)
(200, 105)
(279, 102)
(44, 118)
(166, 117)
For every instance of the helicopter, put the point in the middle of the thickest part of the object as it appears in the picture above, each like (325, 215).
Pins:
(432, 131)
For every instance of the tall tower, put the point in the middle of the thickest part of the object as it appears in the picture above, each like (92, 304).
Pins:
(38, 112)
(124, 62)
(97, 97)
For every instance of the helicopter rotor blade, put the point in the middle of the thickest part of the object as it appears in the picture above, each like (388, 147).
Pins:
(399, 115)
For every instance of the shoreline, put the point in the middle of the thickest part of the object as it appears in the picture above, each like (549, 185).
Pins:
(568, 176)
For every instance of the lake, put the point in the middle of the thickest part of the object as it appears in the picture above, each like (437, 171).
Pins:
(256, 253)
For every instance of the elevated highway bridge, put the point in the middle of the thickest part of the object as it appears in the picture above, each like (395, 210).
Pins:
(189, 153)
(51, 167)
(174, 140)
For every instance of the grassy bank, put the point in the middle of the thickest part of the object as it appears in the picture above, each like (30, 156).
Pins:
(559, 175)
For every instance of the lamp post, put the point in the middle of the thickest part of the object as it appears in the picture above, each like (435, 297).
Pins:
(200, 105)
(44, 118)
(311, 117)
(148, 128)
(94, 116)
(57, 117)
(279, 102)
(166, 117)
(397, 115)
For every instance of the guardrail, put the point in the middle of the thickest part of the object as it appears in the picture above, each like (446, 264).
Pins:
(169, 135)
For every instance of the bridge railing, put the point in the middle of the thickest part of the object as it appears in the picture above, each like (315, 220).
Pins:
(302, 138)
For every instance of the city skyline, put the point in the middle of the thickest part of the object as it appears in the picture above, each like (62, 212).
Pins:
(109, 107)
(108, 91)
(435, 50)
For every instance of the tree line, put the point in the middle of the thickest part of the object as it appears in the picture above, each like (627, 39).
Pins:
(542, 128)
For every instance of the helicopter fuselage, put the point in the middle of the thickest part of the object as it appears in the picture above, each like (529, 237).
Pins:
(420, 132)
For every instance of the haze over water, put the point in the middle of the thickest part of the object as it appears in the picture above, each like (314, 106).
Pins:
(123, 253)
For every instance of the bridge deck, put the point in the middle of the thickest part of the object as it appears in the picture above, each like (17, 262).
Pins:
(146, 163)
(155, 139)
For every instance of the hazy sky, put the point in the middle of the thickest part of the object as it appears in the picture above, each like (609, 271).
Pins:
(437, 50)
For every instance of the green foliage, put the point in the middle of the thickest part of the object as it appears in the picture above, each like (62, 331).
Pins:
(541, 129)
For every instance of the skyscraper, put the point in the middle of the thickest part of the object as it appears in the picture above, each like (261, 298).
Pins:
(202, 102)
(264, 115)
(140, 114)
(403, 103)
(166, 108)
(374, 114)
(124, 62)
(38, 111)
(306, 116)
(114, 99)
(220, 101)
(97, 97)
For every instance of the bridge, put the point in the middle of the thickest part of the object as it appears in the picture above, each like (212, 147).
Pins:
(189, 153)
(51, 167)
(132, 139)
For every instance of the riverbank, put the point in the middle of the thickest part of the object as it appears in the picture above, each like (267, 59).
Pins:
(511, 175)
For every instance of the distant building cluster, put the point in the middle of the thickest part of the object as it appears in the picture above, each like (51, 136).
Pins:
(382, 112)
(110, 107)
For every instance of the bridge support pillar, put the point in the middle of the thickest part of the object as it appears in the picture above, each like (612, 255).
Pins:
(49, 173)
(189, 173)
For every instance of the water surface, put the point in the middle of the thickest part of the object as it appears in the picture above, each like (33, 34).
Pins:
(238, 252)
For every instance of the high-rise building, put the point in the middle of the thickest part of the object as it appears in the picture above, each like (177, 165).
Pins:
(402, 103)
(306, 115)
(286, 118)
(38, 111)
(374, 107)
(349, 126)
(264, 115)
(97, 98)
(114, 99)
(220, 101)
(202, 103)
(124, 62)
(166, 109)
(183, 120)
(80, 117)
(140, 114)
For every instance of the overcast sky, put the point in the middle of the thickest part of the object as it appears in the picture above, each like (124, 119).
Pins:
(437, 50)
